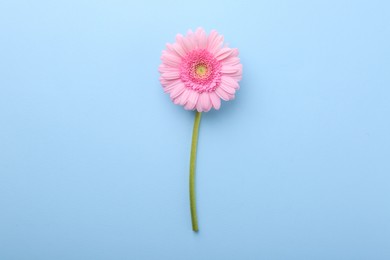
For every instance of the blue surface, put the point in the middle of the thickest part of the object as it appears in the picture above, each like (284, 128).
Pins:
(94, 158)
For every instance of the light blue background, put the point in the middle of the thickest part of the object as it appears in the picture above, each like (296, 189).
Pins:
(94, 156)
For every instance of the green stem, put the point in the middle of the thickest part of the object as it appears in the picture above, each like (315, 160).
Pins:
(195, 134)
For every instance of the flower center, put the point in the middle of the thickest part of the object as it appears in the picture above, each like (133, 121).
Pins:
(200, 71)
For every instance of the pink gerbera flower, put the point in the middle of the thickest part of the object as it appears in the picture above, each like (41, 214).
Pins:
(198, 71)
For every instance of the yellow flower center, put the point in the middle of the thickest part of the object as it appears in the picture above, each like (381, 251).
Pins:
(201, 70)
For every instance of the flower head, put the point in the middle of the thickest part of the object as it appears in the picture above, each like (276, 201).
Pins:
(198, 71)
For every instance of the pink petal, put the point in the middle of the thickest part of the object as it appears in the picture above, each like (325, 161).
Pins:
(176, 48)
(164, 68)
(163, 81)
(189, 106)
(177, 91)
(201, 38)
(218, 44)
(170, 59)
(231, 96)
(235, 52)
(215, 100)
(199, 106)
(214, 42)
(223, 53)
(171, 75)
(231, 61)
(228, 81)
(232, 71)
(222, 94)
(211, 38)
(238, 75)
(166, 82)
(184, 43)
(168, 88)
(192, 39)
(182, 99)
(227, 88)
(192, 100)
(189, 44)
(229, 69)
(205, 101)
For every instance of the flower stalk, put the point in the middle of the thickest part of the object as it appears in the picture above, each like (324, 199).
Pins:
(194, 144)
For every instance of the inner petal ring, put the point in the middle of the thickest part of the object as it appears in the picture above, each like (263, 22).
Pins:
(200, 71)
